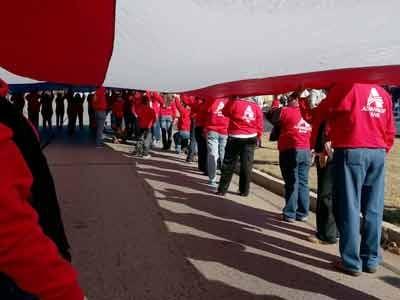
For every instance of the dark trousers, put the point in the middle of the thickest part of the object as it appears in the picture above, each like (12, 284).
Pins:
(59, 119)
(129, 124)
(80, 118)
(34, 118)
(72, 122)
(359, 176)
(235, 149)
(47, 120)
(144, 142)
(192, 143)
(201, 149)
(295, 166)
(326, 225)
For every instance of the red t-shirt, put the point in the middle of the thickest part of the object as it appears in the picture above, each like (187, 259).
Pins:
(184, 118)
(295, 132)
(245, 118)
(215, 119)
(360, 116)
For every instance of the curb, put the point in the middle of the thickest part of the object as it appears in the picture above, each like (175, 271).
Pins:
(390, 232)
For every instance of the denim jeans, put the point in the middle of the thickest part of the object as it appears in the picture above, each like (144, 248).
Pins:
(295, 165)
(166, 130)
(193, 143)
(156, 130)
(216, 144)
(359, 176)
(100, 121)
(144, 142)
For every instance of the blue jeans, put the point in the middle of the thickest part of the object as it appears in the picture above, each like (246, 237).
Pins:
(166, 130)
(295, 165)
(193, 143)
(359, 176)
(216, 144)
(156, 130)
(100, 121)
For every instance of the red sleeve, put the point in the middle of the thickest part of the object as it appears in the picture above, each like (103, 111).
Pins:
(179, 106)
(173, 108)
(305, 110)
(3, 88)
(390, 131)
(157, 97)
(260, 122)
(226, 111)
(27, 255)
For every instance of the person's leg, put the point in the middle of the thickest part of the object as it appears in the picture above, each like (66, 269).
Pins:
(157, 131)
(147, 138)
(169, 133)
(372, 203)
(303, 168)
(221, 147)
(212, 155)
(178, 142)
(326, 224)
(228, 166)
(100, 121)
(349, 174)
(288, 166)
(163, 123)
(246, 165)
(202, 150)
(62, 119)
(193, 144)
(80, 115)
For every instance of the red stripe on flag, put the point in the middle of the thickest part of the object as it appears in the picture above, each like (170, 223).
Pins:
(384, 75)
(63, 41)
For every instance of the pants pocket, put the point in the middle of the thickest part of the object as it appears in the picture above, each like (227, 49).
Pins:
(354, 157)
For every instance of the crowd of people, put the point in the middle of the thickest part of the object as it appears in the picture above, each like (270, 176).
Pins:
(346, 131)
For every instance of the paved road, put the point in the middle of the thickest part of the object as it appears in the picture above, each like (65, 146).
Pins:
(152, 229)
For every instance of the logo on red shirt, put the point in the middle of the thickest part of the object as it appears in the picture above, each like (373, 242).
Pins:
(249, 114)
(219, 109)
(374, 104)
(303, 126)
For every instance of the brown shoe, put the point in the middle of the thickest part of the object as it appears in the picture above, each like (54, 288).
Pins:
(313, 239)
(338, 265)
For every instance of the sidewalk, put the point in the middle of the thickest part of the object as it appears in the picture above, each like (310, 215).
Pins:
(152, 229)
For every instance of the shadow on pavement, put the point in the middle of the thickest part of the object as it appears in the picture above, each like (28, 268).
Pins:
(237, 225)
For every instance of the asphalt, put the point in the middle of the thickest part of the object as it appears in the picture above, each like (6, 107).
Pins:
(153, 229)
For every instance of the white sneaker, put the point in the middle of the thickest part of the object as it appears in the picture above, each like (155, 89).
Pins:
(146, 156)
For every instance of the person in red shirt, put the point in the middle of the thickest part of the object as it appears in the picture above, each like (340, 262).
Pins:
(156, 101)
(167, 117)
(128, 115)
(326, 225)
(199, 109)
(245, 127)
(25, 271)
(216, 131)
(181, 138)
(362, 131)
(294, 157)
(99, 104)
(146, 119)
(189, 101)
(118, 113)
(79, 101)
(33, 108)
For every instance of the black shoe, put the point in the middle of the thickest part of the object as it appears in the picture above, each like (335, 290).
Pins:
(244, 194)
(220, 193)
(370, 270)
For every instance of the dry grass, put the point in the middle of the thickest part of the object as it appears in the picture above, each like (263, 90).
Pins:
(266, 160)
